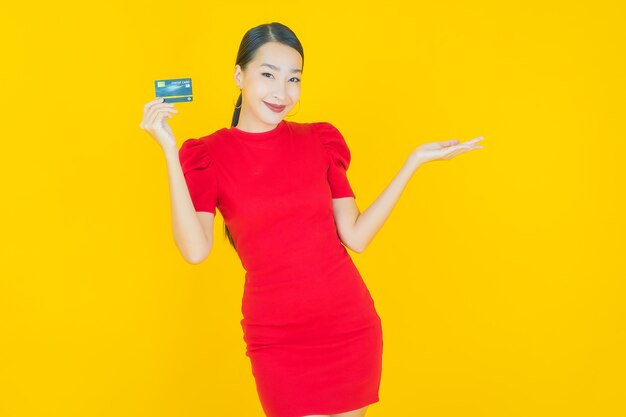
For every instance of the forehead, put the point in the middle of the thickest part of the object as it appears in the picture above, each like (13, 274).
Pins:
(278, 54)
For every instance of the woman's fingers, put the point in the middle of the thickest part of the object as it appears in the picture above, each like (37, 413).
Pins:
(159, 107)
(455, 150)
(149, 104)
(452, 154)
(446, 149)
(475, 140)
(449, 142)
(154, 114)
(155, 104)
(158, 114)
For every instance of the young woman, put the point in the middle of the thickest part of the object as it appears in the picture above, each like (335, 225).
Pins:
(312, 333)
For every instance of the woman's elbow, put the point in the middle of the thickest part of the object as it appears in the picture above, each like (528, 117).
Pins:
(197, 257)
(194, 261)
(355, 247)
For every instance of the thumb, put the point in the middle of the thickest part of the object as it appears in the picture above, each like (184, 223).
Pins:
(449, 142)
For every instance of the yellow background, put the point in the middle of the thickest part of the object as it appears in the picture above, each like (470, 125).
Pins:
(499, 276)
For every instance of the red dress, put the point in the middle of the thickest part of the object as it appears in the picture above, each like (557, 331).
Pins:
(313, 336)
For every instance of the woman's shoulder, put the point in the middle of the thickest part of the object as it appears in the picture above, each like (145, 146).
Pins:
(206, 143)
(216, 137)
(200, 150)
(322, 130)
(328, 134)
(329, 137)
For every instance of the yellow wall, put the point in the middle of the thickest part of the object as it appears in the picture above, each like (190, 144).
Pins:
(499, 276)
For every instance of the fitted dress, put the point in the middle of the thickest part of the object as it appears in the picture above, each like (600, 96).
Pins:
(312, 333)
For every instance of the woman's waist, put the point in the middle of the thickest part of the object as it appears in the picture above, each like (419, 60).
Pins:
(290, 259)
(338, 291)
(297, 267)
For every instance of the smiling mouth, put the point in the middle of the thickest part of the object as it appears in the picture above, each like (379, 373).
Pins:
(274, 107)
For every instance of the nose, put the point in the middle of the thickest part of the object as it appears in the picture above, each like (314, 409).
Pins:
(279, 93)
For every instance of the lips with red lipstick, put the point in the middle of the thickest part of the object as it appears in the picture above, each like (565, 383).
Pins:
(274, 107)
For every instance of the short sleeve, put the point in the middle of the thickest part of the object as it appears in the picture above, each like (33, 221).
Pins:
(199, 173)
(339, 159)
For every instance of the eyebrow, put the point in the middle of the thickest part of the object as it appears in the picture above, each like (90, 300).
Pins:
(275, 68)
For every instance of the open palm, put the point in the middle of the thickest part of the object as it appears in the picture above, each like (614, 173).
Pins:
(444, 150)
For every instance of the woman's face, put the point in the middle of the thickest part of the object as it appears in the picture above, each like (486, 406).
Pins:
(273, 77)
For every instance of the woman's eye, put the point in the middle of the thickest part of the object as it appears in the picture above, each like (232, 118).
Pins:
(267, 73)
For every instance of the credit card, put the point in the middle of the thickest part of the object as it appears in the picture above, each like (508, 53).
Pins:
(174, 90)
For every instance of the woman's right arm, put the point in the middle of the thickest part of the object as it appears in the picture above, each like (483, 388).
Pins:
(193, 231)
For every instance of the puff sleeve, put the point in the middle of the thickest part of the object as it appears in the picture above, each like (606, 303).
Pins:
(339, 159)
(199, 173)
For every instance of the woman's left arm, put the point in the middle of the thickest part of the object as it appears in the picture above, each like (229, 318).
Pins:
(357, 229)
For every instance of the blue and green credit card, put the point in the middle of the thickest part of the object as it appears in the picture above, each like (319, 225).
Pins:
(174, 90)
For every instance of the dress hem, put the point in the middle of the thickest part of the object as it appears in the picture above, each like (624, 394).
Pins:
(350, 408)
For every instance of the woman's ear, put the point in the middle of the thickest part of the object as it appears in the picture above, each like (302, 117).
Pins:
(238, 76)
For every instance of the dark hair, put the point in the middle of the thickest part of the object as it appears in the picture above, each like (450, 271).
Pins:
(253, 40)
